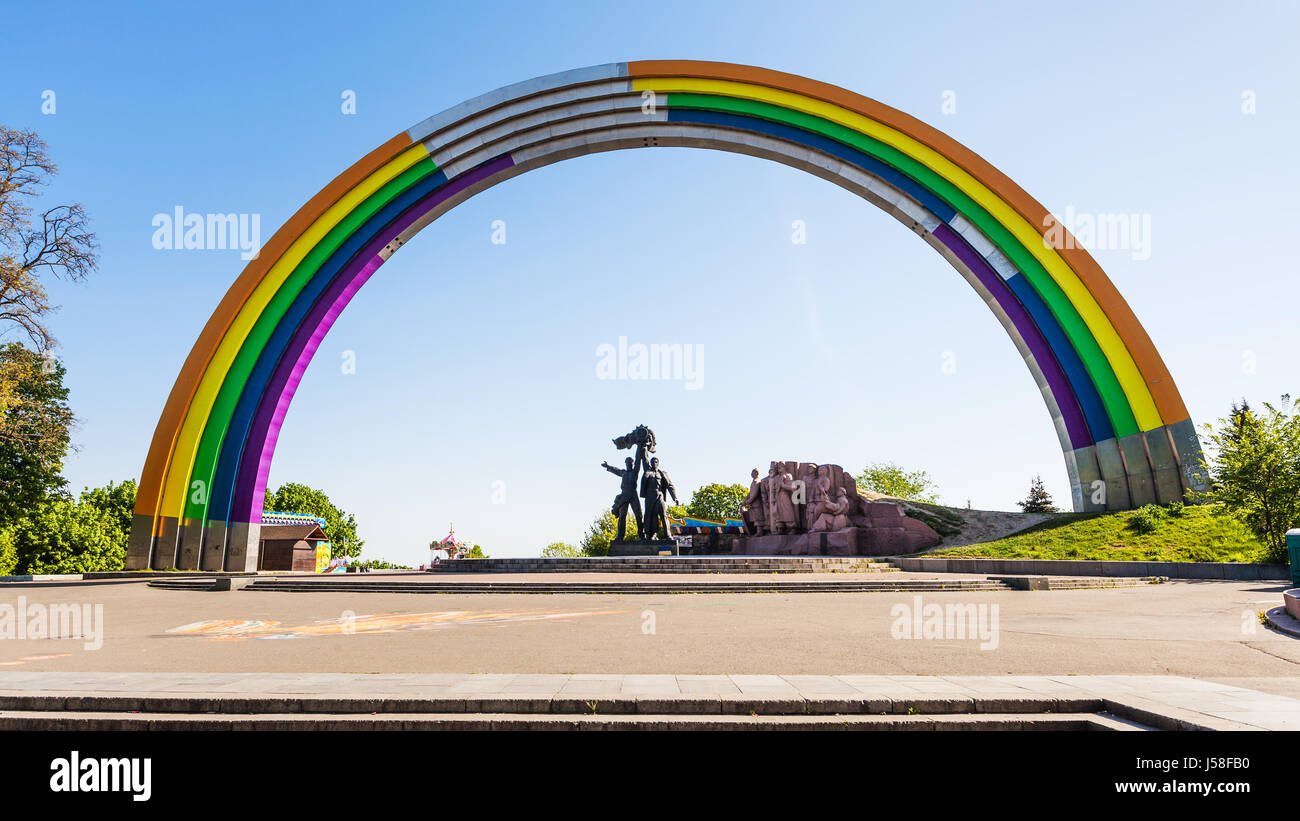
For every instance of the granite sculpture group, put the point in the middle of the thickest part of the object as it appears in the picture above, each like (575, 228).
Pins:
(802, 508)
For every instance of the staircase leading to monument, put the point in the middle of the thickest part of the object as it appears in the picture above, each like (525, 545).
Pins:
(1093, 583)
(693, 574)
(422, 583)
(309, 585)
(670, 564)
(280, 712)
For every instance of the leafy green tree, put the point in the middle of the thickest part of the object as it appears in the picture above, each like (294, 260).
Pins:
(1038, 500)
(1254, 470)
(476, 552)
(8, 553)
(1241, 419)
(63, 536)
(892, 480)
(116, 501)
(717, 502)
(34, 430)
(602, 531)
(340, 527)
(561, 550)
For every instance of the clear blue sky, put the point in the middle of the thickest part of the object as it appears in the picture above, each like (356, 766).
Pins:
(476, 362)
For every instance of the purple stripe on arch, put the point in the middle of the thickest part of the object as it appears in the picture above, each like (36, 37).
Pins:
(259, 449)
(1075, 425)
(290, 386)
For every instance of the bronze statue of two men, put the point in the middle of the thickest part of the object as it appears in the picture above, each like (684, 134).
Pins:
(655, 487)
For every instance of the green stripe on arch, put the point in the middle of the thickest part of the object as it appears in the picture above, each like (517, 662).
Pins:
(236, 379)
(1118, 408)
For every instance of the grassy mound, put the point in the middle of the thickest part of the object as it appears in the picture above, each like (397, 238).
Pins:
(1171, 534)
(942, 520)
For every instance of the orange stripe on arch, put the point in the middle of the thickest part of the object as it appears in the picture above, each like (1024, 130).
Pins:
(149, 495)
(1155, 374)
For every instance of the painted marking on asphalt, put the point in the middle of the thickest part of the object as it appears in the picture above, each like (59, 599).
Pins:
(26, 659)
(242, 629)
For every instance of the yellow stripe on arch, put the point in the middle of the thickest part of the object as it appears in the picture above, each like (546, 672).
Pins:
(184, 453)
(1117, 354)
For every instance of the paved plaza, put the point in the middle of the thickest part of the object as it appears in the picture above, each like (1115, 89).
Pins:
(1177, 655)
(1206, 630)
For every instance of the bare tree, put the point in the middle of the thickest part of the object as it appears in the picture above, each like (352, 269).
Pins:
(56, 242)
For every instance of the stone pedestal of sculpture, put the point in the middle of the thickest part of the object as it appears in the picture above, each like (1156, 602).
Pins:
(654, 547)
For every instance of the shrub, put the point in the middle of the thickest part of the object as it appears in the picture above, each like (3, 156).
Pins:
(561, 550)
(940, 521)
(1146, 519)
(381, 564)
(1255, 470)
(8, 553)
(64, 536)
(602, 531)
(116, 501)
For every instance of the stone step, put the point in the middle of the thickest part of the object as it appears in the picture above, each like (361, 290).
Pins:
(498, 721)
(343, 584)
(235, 703)
(1054, 584)
(351, 584)
(1075, 582)
(856, 586)
(665, 571)
(861, 711)
(415, 583)
(668, 564)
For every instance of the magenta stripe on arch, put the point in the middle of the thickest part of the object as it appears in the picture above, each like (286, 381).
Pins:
(1075, 425)
(259, 449)
(295, 377)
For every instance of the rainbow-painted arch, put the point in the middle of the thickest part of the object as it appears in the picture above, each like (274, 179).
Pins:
(1123, 427)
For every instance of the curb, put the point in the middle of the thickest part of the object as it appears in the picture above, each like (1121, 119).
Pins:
(1222, 571)
(1283, 621)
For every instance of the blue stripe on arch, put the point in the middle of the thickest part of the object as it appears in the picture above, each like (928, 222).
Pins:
(232, 446)
(1094, 411)
(886, 172)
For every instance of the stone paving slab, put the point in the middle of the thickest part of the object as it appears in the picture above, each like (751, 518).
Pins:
(1266, 720)
(1184, 701)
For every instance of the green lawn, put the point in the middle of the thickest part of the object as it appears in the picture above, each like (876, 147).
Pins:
(1195, 534)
